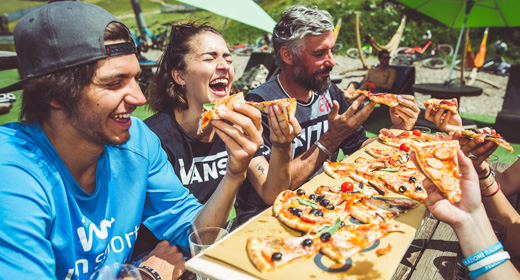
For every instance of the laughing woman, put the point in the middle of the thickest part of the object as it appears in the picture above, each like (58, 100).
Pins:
(195, 69)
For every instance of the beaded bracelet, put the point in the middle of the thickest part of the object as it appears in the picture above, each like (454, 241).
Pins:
(490, 172)
(493, 193)
(487, 187)
(322, 148)
(489, 260)
(149, 272)
(483, 254)
(480, 271)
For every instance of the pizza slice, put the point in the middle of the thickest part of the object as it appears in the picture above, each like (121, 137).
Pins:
(407, 137)
(407, 182)
(380, 152)
(306, 213)
(211, 110)
(446, 104)
(349, 240)
(388, 99)
(268, 253)
(339, 170)
(489, 135)
(288, 106)
(438, 161)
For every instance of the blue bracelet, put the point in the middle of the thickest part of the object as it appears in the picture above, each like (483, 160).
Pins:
(482, 254)
(482, 270)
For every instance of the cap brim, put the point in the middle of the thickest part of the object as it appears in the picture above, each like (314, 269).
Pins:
(14, 87)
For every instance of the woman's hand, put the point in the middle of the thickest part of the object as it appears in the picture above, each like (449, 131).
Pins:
(478, 150)
(241, 130)
(283, 131)
(470, 203)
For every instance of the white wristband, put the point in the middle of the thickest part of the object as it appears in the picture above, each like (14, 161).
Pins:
(489, 260)
(322, 148)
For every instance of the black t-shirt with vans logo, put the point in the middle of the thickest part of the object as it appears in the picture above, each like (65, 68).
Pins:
(199, 165)
(313, 118)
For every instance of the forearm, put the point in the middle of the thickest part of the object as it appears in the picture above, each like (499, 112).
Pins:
(306, 165)
(216, 210)
(278, 177)
(475, 235)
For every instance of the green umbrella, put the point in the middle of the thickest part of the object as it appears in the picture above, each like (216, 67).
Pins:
(469, 13)
(244, 11)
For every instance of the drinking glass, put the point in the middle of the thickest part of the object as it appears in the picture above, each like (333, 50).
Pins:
(116, 271)
(203, 238)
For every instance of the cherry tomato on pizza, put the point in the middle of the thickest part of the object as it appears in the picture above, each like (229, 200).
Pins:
(347, 187)
(417, 132)
(404, 147)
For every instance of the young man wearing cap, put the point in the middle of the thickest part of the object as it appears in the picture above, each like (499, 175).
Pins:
(303, 43)
(80, 175)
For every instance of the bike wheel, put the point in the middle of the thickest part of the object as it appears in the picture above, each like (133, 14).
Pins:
(338, 47)
(402, 59)
(444, 50)
(457, 66)
(353, 53)
(401, 50)
(434, 63)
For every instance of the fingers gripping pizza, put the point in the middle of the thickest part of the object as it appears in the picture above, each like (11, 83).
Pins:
(438, 161)
(288, 106)
(211, 110)
(489, 135)
(446, 104)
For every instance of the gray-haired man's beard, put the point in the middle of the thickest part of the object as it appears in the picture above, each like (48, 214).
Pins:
(311, 81)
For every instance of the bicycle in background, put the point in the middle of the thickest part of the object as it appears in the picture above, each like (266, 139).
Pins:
(496, 65)
(354, 53)
(262, 44)
(431, 57)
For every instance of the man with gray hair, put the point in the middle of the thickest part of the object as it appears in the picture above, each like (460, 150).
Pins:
(80, 174)
(303, 43)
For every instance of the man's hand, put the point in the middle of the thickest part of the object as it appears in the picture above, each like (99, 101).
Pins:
(344, 125)
(446, 121)
(283, 132)
(166, 260)
(242, 133)
(405, 114)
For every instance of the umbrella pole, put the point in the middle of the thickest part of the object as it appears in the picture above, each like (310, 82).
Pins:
(469, 5)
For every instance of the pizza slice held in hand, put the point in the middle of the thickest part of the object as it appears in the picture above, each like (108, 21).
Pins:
(446, 104)
(438, 161)
(288, 105)
(489, 135)
(388, 99)
(211, 110)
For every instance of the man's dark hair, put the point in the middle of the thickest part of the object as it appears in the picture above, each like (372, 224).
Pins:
(382, 52)
(164, 93)
(63, 87)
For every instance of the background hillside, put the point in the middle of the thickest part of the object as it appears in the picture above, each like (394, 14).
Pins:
(380, 18)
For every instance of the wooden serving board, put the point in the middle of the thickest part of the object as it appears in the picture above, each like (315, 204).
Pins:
(232, 256)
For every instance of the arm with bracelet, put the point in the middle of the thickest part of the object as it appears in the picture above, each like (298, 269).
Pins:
(484, 255)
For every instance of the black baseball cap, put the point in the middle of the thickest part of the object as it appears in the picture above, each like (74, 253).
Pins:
(61, 35)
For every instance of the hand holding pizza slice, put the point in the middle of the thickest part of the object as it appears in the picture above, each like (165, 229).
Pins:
(211, 110)
(439, 162)
(446, 104)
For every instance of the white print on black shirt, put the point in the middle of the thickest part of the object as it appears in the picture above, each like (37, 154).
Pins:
(309, 135)
(211, 166)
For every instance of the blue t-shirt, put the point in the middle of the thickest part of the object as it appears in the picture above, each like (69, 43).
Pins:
(51, 228)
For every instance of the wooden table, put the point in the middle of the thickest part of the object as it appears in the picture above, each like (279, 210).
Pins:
(433, 253)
